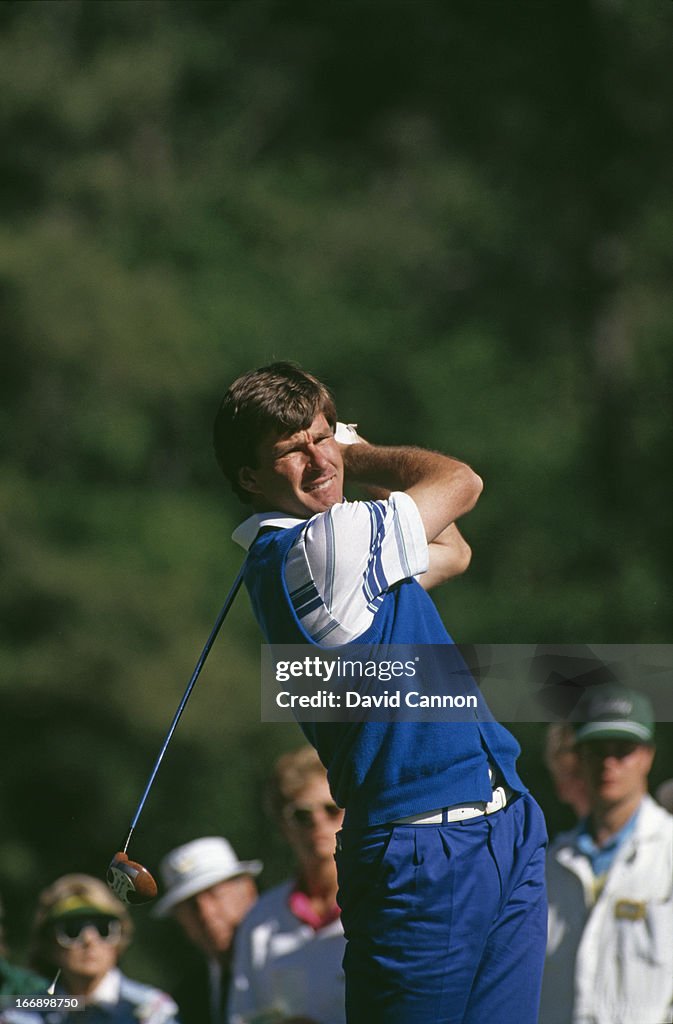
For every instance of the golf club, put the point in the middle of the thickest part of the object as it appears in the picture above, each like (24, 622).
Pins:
(130, 881)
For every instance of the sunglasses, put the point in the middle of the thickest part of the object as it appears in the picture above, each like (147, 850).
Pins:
(304, 815)
(71, 933)
(597, 750)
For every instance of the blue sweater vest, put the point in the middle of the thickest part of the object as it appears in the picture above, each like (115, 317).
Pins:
(380, 771)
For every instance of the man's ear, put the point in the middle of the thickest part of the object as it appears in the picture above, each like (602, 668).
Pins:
(247, 479)
(651, 751)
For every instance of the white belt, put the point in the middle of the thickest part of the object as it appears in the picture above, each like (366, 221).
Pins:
(460, 812)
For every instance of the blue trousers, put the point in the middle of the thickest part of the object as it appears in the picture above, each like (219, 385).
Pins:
(445, 924)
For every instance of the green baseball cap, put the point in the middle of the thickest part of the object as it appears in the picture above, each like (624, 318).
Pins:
(613, 712)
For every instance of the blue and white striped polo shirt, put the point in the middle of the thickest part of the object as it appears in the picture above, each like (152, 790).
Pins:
(345, 560)
(348, 575)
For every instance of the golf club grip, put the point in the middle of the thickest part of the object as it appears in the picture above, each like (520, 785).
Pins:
(185, 697)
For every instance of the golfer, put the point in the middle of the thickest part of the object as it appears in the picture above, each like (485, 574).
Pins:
(441, 856)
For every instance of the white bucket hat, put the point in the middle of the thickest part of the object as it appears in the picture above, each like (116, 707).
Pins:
(196, 866)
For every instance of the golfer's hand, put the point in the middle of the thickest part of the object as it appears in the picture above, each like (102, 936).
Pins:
(347, 434)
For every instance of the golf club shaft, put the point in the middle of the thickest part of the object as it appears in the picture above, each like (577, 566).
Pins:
(190, 686)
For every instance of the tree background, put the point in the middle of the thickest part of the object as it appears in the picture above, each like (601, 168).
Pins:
(458, 215)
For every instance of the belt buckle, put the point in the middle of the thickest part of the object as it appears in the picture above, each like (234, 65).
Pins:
(497, 801)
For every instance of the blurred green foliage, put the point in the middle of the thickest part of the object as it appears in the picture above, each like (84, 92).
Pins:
(459, 215)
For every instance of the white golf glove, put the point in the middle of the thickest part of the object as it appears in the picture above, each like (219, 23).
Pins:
(346, 433)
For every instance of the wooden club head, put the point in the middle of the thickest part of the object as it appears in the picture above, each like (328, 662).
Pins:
(130, 881)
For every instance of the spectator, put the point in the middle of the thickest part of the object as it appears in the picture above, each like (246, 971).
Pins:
(289, 949)
(208, 892)
(81, 930)
(610, 880)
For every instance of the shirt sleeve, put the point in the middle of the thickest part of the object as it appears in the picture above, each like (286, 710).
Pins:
(345, 560)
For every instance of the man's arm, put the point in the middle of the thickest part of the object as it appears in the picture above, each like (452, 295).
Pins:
(442, 488)
(449, 555)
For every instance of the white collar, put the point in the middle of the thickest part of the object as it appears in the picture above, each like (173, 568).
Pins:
(108, 989)
(250, 527)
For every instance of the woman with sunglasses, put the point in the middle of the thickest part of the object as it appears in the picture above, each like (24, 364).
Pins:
(288, 951)
(79, 933)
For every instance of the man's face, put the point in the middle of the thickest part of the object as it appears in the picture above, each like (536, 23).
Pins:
(300, 474)
(615, 771)
(210, 918)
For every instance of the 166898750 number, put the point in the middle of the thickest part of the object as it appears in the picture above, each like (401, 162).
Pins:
(41, 1003)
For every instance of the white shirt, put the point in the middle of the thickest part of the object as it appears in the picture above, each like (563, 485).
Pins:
(610, 959)
(345, 559)
(282, 964)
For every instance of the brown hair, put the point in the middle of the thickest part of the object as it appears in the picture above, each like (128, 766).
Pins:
(66, 895)
(280, 398)
(291, 773)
